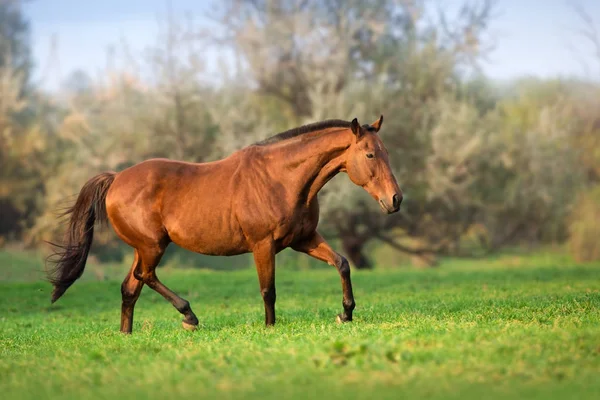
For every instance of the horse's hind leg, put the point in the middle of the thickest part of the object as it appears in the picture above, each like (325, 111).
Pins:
(150, 257)
(130, 291)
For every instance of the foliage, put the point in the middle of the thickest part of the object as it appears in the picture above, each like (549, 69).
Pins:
(21, 141)
(535, 131)
(584, 227)
(481, 165)
(330, 59)
(15, 52)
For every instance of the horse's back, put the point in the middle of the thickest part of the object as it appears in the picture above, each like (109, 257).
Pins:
(145, 182)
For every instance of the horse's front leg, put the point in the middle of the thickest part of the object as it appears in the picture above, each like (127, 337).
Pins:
(264, 258)
(315, 246)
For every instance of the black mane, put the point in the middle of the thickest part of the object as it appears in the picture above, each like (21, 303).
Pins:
(294, 132)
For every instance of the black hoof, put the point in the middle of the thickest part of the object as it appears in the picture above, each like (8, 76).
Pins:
(341, 319)
(190, 323)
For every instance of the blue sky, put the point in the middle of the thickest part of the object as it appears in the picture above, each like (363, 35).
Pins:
(533, 37)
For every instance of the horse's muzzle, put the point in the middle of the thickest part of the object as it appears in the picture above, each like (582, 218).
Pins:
(393, 206)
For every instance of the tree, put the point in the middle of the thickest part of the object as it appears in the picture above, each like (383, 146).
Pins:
(328, 59)
(15, 49)
(481, 167)
(21, 138)
(583, 221)
(119, 120)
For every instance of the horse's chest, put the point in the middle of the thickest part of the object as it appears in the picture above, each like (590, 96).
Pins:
(295, 226)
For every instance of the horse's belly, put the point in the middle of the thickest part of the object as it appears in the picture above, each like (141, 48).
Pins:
(208, 234)
(214, 249)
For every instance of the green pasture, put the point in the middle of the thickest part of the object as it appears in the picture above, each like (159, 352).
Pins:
(511, 326)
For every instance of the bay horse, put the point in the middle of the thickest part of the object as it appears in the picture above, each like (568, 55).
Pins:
(260, 199)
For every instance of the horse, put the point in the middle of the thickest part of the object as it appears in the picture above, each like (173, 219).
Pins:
(260, 200)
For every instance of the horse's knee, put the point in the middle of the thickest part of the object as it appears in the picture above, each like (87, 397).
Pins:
(344, 267)
(128, 294)
(269, 295)
(124, 290)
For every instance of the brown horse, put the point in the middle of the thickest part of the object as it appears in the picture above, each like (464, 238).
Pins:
(260, 199)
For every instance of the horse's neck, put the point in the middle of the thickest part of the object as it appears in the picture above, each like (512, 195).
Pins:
(313, 161)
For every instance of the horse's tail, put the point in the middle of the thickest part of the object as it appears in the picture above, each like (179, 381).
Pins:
(70, 257)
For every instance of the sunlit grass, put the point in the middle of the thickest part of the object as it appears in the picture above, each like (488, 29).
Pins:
(526, 328)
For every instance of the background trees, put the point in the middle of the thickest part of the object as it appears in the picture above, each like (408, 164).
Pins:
(482, 165)
(22, 139)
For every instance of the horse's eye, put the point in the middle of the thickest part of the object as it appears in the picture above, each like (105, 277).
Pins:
(370, 155)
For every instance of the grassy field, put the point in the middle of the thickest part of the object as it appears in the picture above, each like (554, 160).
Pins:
(509, 327)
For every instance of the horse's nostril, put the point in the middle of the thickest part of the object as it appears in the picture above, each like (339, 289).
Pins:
(396, 201)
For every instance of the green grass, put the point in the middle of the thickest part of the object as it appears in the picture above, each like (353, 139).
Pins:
(510, 327)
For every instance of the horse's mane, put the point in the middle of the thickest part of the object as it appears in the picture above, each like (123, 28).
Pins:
(301, 130)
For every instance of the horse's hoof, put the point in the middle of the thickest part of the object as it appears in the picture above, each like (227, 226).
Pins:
(340, 320)
(189, 327)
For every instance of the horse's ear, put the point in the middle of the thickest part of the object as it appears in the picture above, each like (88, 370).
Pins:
(355, 127)
(377, 124)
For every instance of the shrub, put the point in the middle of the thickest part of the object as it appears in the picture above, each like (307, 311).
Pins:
(584, 226)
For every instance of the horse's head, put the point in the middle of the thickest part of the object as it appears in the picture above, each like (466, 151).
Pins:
(368, 166)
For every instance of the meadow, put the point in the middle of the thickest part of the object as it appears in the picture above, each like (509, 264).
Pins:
(511, 326)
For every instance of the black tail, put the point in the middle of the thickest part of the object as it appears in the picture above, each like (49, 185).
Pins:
(71, 256)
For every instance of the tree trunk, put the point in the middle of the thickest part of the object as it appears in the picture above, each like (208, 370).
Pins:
(354, 250)
(425, 260)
